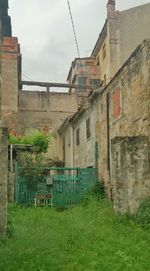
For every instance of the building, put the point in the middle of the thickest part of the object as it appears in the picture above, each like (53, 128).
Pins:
(105, 122)
(121, 33)
(112, 131)
(118, 111)
(79, 137)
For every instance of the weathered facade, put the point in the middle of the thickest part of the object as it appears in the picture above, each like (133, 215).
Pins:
(121, 34)
(118, 119)
(83, 72)
(111, 128)
(24, 110)
(124, 111)
(79, 137)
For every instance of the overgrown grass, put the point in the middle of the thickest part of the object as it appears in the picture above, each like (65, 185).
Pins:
(84, 238)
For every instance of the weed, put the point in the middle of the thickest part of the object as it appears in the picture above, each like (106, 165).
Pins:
(142, 216)
(84, 238)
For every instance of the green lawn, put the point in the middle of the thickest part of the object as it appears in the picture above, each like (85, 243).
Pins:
(85, 238)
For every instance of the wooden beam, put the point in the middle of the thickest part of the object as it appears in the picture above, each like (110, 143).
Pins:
(55, 85)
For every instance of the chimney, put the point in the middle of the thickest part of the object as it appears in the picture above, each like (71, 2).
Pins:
(111, 8)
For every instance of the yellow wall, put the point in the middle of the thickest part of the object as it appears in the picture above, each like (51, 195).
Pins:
(103, 60)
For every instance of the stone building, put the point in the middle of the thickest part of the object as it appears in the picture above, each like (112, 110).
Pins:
(121, 33)
(123, 131)
(106, 128)
(114, 127)
(83, 72)
(79, 137)
(120, 127)
(24, 110)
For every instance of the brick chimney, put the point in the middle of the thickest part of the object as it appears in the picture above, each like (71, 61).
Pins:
(111, 8)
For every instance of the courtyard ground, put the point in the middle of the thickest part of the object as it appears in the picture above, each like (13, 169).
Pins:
(84, 238)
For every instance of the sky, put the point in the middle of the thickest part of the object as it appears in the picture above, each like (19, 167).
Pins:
(45, 33)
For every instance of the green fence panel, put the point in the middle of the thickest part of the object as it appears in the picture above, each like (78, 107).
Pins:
(67, 186)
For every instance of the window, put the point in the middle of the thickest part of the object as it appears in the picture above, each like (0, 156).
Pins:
(78, 136)
(88, 130)
(97, 61)
(104, 51)
(82, 80)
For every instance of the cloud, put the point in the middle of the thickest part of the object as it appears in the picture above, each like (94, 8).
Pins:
(46, 37)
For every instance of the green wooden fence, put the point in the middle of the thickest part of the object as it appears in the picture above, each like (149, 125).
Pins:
(67, 186)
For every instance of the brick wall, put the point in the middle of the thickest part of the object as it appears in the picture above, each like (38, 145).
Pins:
(10, 75)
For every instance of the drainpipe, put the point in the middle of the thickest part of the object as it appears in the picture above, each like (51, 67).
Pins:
(108, 147)
(108, 132)
(73, 152)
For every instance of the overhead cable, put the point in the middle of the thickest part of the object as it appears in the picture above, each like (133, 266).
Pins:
(74, 31)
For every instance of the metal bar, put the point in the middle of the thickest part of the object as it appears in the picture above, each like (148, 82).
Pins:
(56, 85)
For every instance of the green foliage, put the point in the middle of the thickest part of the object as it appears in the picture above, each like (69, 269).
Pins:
(143, 214)
(40, 140)
(31, 168)
(97, 192)
(84, 238)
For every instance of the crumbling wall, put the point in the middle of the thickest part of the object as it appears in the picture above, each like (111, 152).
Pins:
(130, 172)
(124, 109)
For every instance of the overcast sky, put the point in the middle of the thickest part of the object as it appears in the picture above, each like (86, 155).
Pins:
(45, 33)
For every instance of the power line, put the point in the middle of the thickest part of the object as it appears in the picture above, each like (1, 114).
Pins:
(26, 76)
(73, 26)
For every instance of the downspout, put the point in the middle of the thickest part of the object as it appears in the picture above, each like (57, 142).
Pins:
(108, 147)
(108, 132)
(73, 152)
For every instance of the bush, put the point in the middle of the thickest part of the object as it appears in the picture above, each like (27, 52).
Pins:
(31, 168)
(142, 216)
(96, 193)
(98, 190)
(39, 139)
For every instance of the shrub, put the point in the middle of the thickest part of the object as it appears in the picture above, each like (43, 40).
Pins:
(142, 216)
(39, 139)
(98, 190)
(31, 170)
(96, 193)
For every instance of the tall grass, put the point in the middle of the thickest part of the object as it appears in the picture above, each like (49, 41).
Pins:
(84, 238)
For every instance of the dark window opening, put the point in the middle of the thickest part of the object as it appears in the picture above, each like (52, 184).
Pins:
(88, 130)
(104, 51)
(78, 136)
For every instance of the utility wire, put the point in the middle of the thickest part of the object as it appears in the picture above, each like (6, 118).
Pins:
(26, 76)
(73, 26)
